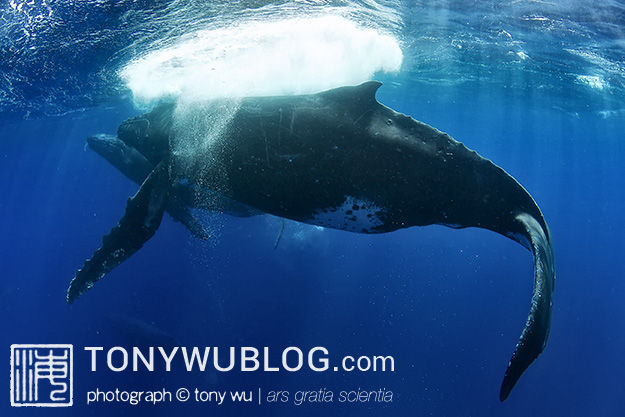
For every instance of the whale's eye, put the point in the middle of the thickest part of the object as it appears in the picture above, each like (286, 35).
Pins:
(389, 122)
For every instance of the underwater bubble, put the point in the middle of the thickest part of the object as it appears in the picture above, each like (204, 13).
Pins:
(286, 57)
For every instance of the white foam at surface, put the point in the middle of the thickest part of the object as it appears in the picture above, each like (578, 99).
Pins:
(593, 81)
(287, 57)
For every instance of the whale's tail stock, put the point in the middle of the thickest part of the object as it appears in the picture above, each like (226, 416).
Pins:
(536, 331)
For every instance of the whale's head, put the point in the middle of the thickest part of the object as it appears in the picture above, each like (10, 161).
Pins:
(107, 146)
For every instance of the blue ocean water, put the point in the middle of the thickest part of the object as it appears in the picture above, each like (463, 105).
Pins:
(538, 88)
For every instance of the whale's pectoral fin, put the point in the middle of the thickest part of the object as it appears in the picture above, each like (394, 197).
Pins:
(144, 212)
(130, 162)
(534, 336)
(275, 245)
(181, 213)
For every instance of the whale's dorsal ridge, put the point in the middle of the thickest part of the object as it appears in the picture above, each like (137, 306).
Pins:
(359, 94)
(369, 88)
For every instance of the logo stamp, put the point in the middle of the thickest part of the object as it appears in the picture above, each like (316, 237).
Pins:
(41, 375)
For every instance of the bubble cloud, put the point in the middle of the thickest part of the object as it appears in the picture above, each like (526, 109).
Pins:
(263, 58)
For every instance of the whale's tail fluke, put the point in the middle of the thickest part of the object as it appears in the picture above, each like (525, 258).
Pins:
(534, 336)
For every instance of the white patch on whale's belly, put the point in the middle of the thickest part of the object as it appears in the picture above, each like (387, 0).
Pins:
(360, 216)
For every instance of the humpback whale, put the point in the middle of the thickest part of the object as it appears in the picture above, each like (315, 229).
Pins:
(337, 159)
